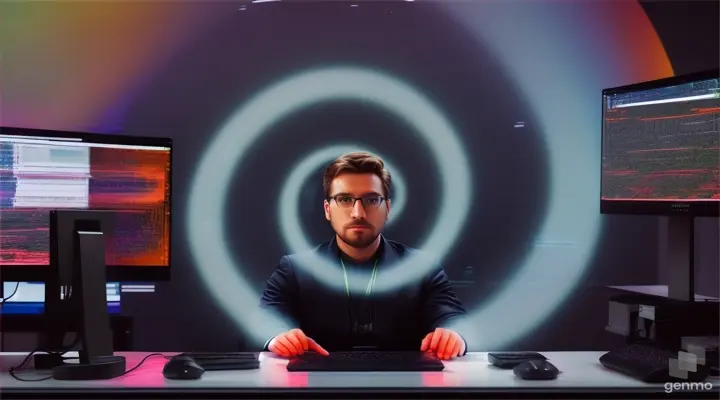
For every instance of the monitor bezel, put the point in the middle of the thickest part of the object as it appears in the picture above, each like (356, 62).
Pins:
(690, 208)
(115, 273)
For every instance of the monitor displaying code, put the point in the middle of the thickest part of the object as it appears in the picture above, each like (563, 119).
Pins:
(41, 174)
(662, 144)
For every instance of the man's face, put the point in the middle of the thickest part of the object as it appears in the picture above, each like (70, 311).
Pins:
(357, 222)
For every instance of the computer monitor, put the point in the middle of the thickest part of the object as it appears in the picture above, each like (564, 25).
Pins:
(28, 298)
(44, 170)
(661, 156)
(661, 147)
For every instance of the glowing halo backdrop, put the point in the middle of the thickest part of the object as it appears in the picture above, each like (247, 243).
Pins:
(211, 182)
(572, 221)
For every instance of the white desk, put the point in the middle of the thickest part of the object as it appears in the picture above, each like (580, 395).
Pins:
(469, 377)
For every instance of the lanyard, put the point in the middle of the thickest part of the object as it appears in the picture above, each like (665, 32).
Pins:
(370, 285)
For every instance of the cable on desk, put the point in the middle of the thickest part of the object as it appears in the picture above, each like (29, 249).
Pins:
(142, 361)
(25, 361)
(23, 364)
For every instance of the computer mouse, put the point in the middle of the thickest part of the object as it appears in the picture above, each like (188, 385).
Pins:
(536, 370)
(182, 367)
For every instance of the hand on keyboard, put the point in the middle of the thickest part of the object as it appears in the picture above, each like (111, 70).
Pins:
(294, 343)
(444, 343)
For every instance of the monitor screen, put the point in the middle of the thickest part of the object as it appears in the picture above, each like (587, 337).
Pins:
(661, 143)
(29, 298)
(81, 171)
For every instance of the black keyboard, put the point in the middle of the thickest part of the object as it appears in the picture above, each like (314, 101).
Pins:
(366, 361)
(650, 364)
(224, 361)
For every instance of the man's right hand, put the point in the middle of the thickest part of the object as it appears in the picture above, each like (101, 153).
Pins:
(294, 343)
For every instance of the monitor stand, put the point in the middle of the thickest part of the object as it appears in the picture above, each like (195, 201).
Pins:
(86, 307)
(667, 315)
(680, 258)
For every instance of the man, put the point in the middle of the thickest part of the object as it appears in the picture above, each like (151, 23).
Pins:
(414, 317)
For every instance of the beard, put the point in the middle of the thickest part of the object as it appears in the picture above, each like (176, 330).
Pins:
(359, 239)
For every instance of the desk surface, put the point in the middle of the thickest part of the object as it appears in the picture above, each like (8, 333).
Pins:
(470, 376)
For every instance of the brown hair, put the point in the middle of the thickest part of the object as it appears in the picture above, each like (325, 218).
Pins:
(357, 163)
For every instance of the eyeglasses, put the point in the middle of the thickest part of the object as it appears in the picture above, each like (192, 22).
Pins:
(368, 202)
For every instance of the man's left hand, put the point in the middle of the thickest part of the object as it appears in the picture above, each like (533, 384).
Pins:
(444, 343)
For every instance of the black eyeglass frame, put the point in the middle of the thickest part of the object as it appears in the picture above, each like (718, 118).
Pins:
(356, 199)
